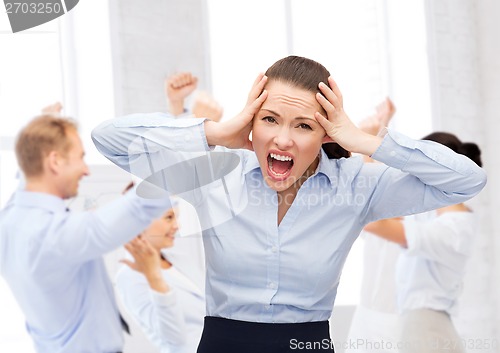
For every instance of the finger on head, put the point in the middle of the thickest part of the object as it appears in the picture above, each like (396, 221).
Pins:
(261, 98)
(255, 104)
(329, 96)
(257, 90)
(258, 79)
(321, 120)
(324, 102)
(335, 89)
(259, 86)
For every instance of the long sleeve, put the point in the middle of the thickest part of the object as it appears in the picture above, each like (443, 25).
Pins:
(431, 270)
(169, 154)
(159, 315)
(144, 143)
(83, 236)
(420, 176)
(446, 239)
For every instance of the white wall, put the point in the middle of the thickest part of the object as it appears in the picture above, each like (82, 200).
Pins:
(463, 46)
(488, 51)
(151, 40)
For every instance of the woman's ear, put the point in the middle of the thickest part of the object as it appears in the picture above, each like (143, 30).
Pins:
(327, 139)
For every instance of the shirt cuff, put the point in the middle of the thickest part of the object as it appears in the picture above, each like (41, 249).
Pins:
(395, 149)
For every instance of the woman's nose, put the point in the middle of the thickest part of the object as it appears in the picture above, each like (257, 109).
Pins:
(283, 139)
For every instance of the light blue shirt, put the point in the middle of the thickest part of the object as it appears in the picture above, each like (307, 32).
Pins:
(51, 259)
(256, 270)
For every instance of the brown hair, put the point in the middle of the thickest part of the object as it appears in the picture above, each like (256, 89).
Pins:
(469, 149)
(36, 140)
(305, 74)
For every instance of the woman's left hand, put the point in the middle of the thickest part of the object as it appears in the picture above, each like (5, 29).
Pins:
(338, 127)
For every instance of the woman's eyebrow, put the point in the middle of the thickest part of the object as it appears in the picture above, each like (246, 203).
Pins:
(305, 118)
(270, 111)
(297, 118)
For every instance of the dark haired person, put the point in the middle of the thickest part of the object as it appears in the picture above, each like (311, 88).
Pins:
(431, 267)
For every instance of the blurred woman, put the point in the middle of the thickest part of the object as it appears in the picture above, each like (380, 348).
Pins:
(431, 268)
(158, 288)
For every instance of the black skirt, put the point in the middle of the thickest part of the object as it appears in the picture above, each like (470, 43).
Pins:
(232, 336)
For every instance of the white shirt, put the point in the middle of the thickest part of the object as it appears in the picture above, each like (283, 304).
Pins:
(172, 321)
(378, 287)
(376, 319)
(430, 271)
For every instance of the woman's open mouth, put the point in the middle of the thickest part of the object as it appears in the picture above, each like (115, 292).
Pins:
(279, 166)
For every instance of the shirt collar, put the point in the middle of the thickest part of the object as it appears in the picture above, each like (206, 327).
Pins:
(251, 163)
(327, 167)
(39, 200)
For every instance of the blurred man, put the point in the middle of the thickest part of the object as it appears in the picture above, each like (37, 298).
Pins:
(52, 258)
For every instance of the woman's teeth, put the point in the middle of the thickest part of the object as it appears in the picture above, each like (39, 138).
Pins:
(281, 158)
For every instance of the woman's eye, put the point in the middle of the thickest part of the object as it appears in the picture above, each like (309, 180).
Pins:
(269, 119)
(305, 126)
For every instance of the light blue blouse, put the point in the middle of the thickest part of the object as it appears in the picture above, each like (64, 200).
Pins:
(256, 270)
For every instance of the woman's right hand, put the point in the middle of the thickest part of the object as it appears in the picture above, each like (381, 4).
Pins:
(147, 261)
(235, 133)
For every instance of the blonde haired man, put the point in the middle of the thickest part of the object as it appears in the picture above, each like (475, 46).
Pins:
(52, 258)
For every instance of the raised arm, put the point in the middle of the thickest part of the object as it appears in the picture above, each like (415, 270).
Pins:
(158, 313)
(391, 229)
(144, 144)
(54, 108)
(418, 176)
(177, 88)
(83, 236)
(375, 123)
(445, 239)
(205, 106)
